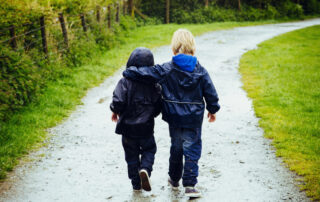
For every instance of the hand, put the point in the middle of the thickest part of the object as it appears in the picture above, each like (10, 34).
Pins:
(114, 117)
(212, 117)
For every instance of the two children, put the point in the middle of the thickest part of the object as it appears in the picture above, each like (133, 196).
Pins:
(185, 85)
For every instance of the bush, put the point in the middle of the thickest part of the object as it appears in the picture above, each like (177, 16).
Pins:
(24, 73)
(272, 12)
(287, 9)
(20, 81)
(312, 7)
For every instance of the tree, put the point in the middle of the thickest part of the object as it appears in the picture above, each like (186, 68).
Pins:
(131, 8)
(167, 11)
(239, 5)
(206, 3)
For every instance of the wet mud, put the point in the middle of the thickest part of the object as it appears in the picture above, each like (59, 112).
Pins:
(84, 159)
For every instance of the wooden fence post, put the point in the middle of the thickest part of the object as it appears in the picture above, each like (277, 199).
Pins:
(131, 8)
(206, 3)
(13, 40)
(124, 7)
(239, 5)
(167, 11)
(118, 13)
(83, 22)
(44, 36)
(109, 16)
(64, 30)
(98, 14)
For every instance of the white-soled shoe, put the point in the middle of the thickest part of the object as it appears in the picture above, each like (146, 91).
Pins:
(145, 181)
(192, 192)
(174, 184)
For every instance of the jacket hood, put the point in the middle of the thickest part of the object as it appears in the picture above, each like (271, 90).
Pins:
(185, 62)
(186, 79)
(141, 57)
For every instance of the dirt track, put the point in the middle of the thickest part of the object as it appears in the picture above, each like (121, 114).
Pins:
(85, 161)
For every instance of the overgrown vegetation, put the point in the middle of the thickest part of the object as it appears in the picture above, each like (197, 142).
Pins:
(283, 79)
(25, 70)
(195, 11)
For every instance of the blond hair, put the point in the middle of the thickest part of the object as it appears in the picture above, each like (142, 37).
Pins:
(183, 42)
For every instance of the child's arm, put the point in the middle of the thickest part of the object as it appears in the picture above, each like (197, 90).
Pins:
(212, 117)
(158, 107)
(119, 99)
(211, 97)
(146, 74)
(114, 117)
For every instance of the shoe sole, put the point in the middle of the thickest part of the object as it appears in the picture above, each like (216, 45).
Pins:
(137, 190)
(194, 195)
(172, 187)
(145, 181)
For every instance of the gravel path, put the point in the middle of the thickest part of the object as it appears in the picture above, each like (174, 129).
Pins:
(84, 160)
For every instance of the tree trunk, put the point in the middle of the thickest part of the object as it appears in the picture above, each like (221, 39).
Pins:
(131, 7)
(239, 5)
(206, 3)
(167, 11)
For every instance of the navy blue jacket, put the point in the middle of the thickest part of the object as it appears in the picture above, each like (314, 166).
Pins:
(185, 85)
(137, 103)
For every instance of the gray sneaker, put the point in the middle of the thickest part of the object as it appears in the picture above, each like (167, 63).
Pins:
(192, 192)
(145, 181)
(174, 184)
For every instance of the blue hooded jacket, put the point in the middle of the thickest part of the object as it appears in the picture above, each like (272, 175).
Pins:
(185, 85)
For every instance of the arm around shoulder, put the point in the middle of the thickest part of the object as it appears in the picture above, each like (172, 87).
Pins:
(146, 74)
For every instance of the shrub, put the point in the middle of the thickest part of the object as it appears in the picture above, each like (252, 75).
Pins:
(287, 9)
(272, 12)
(24, 73)
(20, 81)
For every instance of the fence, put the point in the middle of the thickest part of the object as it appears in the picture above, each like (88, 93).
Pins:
(39, 35)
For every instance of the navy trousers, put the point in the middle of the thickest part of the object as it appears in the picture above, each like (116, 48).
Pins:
(185, 142)
(133, 148)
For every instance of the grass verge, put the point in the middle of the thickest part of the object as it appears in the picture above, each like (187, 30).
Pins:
(26, 129)
(283, 78)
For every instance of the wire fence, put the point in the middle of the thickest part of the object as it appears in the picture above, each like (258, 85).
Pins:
(37, 35)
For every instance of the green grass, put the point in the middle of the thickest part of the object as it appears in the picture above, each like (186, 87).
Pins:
(26, 130)
(283, 78)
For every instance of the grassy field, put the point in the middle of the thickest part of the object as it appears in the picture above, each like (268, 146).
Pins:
(26, 130)
(283, 78)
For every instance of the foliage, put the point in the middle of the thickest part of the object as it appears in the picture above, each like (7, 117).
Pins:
(217, 14)
(227, 10)
(25, 72)
(20, 81)
(282, 77)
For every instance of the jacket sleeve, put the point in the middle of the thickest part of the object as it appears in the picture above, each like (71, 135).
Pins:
(119, 99)
(210, 94)
(158, 107)
(147, 75)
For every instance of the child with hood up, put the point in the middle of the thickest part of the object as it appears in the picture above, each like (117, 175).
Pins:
(134, 106)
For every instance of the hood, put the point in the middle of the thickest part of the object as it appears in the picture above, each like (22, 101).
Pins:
(141, 57)
(186, 79)
(185, 62)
